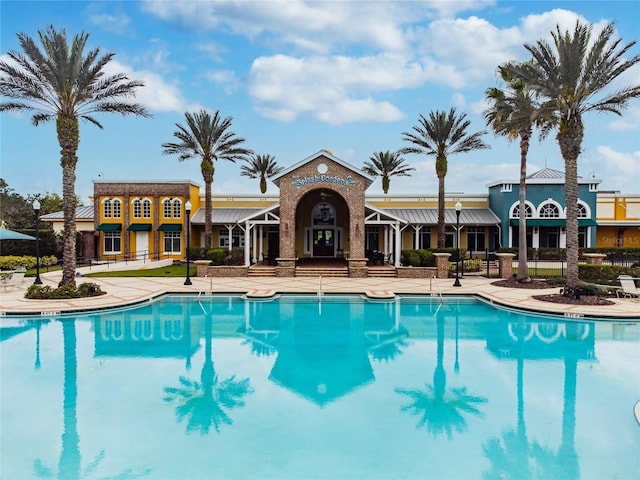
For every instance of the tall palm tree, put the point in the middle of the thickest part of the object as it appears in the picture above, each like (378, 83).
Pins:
(209, 139)
(570, 77)
(513, 113)
(387, 164)
(441, 135)
(61, 83)
(204, 403)
(261, 166)
(442, 412)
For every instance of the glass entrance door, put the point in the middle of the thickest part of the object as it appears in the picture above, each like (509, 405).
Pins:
(324, 242)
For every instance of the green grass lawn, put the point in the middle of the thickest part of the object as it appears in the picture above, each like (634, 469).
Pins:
(169, 271)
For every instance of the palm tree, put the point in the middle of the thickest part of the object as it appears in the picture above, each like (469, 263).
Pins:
(61, 83)
(441, 135)
(261, 166)
(209, 139)
(513, 113)
(386, 164)
(442, 411)
(567, 77)
(204, 403)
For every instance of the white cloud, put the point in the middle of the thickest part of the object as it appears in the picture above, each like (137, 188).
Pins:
(618, 168)
(330, 89)
(225, 78)
(156, 95)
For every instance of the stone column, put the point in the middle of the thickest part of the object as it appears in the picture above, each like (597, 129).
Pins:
(505, 264)
(442, 264)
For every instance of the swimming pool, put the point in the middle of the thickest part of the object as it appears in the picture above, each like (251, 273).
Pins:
(223, 387)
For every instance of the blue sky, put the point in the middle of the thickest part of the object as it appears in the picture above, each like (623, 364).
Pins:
(298, 77)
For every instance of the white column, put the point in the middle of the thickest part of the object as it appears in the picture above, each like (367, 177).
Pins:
(563, 237)
(535, 237)
(398, 248)
(247, 244)
(416, 241)
(255, 244)
(385, 237)
(230, 230)
(261, 242)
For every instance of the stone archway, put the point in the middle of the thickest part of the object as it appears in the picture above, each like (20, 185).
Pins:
(322, 174)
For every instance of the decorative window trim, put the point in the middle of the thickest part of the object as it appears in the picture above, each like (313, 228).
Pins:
(550, 202)
(514, 208)
(506, 187)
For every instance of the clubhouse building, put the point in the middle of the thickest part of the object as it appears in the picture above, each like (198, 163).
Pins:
(323, 212)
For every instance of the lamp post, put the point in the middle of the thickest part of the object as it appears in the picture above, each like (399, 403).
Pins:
(36, 209)
(458, 209)
(187, 208)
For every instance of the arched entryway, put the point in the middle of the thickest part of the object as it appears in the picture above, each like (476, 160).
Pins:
(322, 225)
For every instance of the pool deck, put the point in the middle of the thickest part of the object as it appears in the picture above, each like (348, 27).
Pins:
(123, 291)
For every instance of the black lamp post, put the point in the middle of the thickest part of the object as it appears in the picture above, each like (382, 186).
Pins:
(187, 209)
(458, 209)
(36, 209)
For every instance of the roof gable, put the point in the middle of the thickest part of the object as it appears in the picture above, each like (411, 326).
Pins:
(330, 157)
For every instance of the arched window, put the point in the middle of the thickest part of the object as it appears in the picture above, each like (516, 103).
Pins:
(323, 214)
(146, 208)
(582, 211)
(117, 208)
(549, 210)
(137, 210)
(515, 210)
(106, 208)
(177, 208)
(166, 208)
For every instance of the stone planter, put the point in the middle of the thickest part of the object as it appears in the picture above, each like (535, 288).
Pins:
(505, 264)
(594, 258)
(201, 267)
(442, 264)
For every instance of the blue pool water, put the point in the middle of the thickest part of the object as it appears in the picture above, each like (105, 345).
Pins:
(229, 388)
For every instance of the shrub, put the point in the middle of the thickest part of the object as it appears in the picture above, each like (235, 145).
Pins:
(217, 256)
(11, 262)
(605, 274)
(410, 258)
(46, 292)
(426, 258)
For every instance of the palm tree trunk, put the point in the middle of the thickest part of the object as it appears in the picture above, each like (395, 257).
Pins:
(441, 225)
(523, 267)
(208, 186)
(570, 139)
(441, 172)
(68, 138)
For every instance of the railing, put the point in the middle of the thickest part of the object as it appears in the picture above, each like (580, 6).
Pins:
(437, 288)
(108, 260)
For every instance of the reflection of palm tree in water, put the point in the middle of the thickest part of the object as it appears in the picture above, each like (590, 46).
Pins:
(205, 403)
(69, 463)
(514, 456)
(442, 411)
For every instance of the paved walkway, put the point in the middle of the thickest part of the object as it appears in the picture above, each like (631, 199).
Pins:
(128, 290)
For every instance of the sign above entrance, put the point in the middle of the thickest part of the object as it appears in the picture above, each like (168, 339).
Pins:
(322, 178)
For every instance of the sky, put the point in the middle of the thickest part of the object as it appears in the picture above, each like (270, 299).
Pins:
(298, 77)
